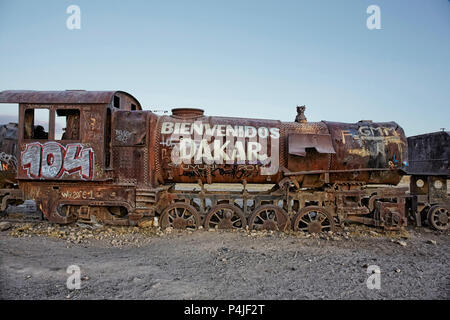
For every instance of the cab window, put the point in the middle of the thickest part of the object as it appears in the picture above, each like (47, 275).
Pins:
(67, 124)
(36, 124)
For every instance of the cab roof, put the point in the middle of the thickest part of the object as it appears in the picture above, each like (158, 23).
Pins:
(63, 97)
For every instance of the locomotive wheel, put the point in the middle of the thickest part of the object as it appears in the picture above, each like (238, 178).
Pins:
(225, 216)
(438, 217)
(313, 219)
(180, 216)
(268, 217)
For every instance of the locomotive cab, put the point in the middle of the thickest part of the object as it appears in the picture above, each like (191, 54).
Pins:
(64, 138)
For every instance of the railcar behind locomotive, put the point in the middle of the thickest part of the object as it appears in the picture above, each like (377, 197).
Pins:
(97, 156)
(429, 158)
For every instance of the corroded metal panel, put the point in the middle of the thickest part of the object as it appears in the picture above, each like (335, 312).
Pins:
(129, 128)
(299, 142)
(120, 164)
(50, 159)
(429, 154)
(68, 97)
(194, 147)
(8, 154)
(368, 145)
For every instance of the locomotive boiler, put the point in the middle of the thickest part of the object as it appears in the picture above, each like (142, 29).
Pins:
(218, 149)
(97, 156)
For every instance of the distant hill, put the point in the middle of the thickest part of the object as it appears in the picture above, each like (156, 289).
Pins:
(4, 119)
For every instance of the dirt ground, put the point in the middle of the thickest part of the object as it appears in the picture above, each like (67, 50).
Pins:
(136, 263)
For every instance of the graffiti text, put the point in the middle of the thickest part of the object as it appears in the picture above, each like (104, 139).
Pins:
(53, 160)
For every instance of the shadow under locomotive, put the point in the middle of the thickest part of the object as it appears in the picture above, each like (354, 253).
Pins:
(97, 156)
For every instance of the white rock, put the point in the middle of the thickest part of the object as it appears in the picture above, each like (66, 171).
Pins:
(5, 225)
(402, 243)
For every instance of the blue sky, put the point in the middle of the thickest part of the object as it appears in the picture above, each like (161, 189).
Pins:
(241, 58)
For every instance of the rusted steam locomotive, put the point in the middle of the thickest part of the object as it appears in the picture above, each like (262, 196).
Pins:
(98, 156)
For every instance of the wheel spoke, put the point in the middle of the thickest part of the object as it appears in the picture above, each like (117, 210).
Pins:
(173, 216)
(306, 222)
(217, 216)
(237, 221)
(261, 220)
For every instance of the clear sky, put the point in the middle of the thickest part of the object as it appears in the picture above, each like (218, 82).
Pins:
(248, 58)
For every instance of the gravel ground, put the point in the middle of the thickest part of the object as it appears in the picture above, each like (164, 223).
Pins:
(146, 263)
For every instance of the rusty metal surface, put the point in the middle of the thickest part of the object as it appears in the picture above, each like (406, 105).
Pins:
(299, 142)
(130, 141)
(78, 160)
(225, 216)
(313, 219)
(187, 123)
(429, 168)
(361, 147)
(8, 155)
(62, 97)
(429, 154)
(180, 216)
(8, 196)
(438, 216)
(312, 161)
(73, 177)
(121, 164)
(368, 144)
(269, 217)
(53, 197)
(187, 113)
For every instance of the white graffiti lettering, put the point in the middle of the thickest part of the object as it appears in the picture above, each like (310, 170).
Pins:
(203, 143)
(31, 159)
(52, 160)
(168, 143)
(123, 135)
(218, 130)
(78, 195)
